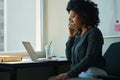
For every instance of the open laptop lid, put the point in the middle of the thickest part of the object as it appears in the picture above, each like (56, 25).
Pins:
(30, 50)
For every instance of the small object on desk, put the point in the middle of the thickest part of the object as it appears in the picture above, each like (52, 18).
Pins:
(49, 51)
(10, 58)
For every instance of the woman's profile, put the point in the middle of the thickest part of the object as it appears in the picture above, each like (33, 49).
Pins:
(85, 41)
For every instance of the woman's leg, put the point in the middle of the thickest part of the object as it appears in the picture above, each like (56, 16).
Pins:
(52, 78)
(76, 78)
(91, 72)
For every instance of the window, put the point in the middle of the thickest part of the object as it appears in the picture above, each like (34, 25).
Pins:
(1, 25)
(22, 22)
(39, 24)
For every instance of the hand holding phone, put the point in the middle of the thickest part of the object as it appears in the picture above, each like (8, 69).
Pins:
(72, 29)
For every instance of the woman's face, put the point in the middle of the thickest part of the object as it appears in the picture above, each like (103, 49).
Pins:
(75, 20)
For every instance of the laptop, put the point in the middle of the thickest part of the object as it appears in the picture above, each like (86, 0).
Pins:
(33, 54)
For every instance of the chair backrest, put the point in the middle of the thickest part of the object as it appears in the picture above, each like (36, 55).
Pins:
(112, 58)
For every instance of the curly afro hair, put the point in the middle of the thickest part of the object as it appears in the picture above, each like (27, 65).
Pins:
(87, 9)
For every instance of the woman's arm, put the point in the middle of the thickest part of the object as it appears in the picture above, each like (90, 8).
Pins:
(69, 45)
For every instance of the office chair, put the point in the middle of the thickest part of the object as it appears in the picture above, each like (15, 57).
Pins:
(112, 58)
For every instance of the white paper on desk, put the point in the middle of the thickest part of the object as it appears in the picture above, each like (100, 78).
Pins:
(53, 59)
(44, 59)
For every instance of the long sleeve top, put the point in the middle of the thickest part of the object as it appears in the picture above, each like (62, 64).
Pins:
(85, 51)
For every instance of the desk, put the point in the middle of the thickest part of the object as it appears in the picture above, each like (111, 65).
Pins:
(14, 67)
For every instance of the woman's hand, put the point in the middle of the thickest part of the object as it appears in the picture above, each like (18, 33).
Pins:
(72, 30)
(63, 76)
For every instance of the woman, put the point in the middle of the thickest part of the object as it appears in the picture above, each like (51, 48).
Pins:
(84, 46)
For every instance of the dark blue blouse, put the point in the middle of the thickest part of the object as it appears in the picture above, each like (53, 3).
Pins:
(85, 51)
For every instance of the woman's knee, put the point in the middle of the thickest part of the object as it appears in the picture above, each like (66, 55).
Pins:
(52, 78)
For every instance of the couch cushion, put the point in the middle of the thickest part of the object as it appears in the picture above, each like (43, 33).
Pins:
(112, 58)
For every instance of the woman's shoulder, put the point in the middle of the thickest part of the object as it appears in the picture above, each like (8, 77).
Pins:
(94, 31)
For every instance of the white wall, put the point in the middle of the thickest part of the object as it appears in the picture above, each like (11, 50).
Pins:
(106, 14)
(56, 20)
